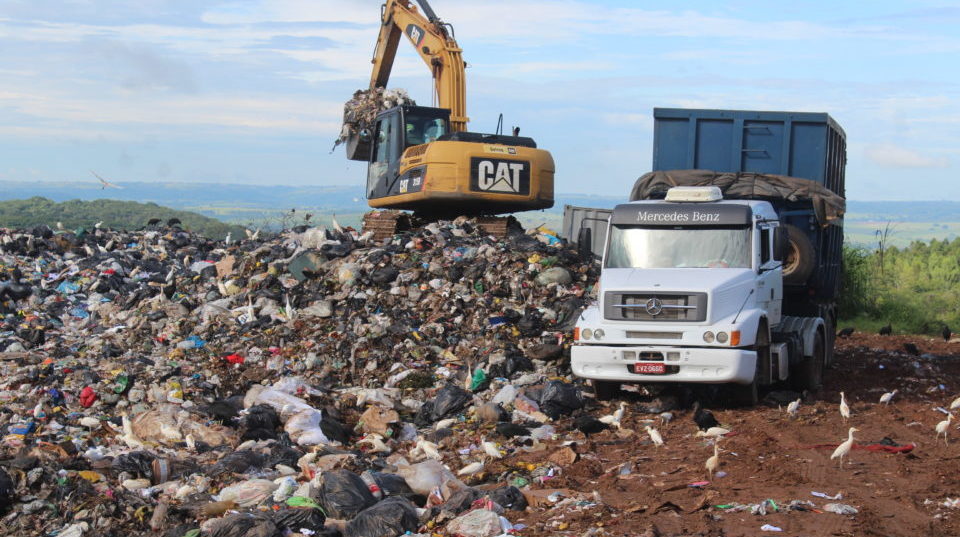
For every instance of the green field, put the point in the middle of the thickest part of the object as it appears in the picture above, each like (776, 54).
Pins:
(864, 233)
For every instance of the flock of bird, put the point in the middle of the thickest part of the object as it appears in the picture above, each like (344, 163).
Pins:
(887, 330)
(844, 448)
(709, 427)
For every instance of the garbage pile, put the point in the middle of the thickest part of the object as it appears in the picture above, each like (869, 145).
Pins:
(362, 109)
(315, 383)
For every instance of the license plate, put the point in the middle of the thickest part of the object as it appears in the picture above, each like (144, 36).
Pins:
(650, 369)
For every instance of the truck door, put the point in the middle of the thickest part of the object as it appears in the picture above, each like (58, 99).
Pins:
(770, 285)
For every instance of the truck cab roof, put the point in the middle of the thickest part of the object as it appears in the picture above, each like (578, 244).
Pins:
(714, 213)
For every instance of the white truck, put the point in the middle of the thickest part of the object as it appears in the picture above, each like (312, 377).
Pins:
(691, 291)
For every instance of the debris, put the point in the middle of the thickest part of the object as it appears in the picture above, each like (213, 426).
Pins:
(840, 509)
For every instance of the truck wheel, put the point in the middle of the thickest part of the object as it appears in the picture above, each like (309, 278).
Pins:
(749, 395)
(809, 372)
(801, 259)
(604, 390)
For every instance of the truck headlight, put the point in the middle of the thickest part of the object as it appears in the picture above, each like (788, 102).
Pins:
(598, 334)
(586, 333)
(722, 337)
(708, 337)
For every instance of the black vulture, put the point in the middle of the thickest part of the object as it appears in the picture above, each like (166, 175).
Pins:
(703, 417)
(588, 425)
(509, 430)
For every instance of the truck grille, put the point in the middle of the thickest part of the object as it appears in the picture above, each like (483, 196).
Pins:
(647, 306)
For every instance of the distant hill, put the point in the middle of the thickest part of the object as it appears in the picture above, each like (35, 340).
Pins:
(116, 214)
(269, 206)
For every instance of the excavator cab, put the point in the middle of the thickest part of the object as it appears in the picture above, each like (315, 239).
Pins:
(394, 131)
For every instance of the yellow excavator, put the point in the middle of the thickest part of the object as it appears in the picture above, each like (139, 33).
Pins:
(423, 159)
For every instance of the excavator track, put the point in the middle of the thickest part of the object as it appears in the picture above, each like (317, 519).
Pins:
(386, 224)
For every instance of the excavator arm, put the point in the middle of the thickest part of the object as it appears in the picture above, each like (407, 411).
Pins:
(434, 42)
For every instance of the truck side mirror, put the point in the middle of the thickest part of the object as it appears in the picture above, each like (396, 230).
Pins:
(781, 243)
(585, 243)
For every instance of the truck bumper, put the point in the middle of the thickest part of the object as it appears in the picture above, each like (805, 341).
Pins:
(700, 365)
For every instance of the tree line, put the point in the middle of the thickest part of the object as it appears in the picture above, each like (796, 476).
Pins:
(126, 215)
(915, 288)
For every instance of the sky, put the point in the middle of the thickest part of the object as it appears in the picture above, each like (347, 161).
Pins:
(251, 91)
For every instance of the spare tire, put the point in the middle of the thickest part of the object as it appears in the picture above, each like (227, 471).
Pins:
(801, 258)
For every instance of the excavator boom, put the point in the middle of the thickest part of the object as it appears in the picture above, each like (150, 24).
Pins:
(434, 43)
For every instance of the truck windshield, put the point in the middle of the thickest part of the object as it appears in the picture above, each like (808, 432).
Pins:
(692, 247)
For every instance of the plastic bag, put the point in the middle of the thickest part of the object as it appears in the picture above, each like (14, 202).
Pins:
(478, 523)
(137, 463)
(238, 462)
(304, 428)
(389, 518)
(343, 494)
(7, 491)
(244, 525)
(390, 484)
(248, 493)
(559, 399)
(509, 497)
(426, 476)
(279, 400)
(293, 519)
(462, 500)
(510, 365)
(449, 400)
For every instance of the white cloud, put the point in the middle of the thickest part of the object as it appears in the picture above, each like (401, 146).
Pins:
(264, 113)
(889, 154)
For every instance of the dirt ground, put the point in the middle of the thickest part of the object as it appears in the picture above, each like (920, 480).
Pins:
(770, 456)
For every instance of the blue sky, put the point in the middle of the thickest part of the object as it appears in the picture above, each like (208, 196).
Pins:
(252, 91)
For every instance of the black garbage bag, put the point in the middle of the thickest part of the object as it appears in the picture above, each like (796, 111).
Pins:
(508, 497)
(245, 525)
(461, 500)
(138, 463)
(511, 365)
(384, 276)
(449, 400)
(343, 494)
(8, 491)
(238, 462)
(389, 518)
(559, 399)
(391, 484)
(294, 519)
(180, 530)
(424, 416)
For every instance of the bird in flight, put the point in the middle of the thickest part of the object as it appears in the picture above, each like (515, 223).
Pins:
(104, 182)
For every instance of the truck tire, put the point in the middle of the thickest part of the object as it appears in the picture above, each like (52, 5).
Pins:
(605, 390)
(801, 258)
(808, 374)
(749, 395)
